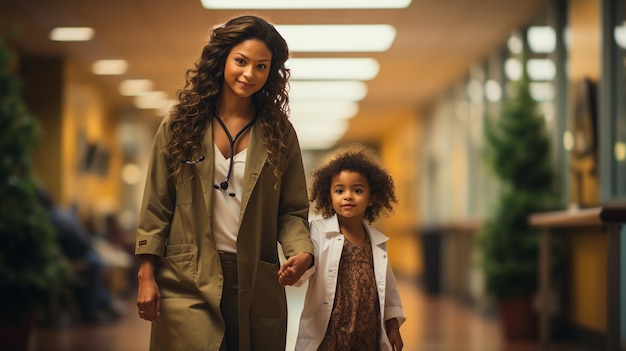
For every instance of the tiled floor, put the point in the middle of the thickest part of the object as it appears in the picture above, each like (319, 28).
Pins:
(433, 324)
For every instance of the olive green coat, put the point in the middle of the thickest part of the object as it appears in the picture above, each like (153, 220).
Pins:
(175, 224)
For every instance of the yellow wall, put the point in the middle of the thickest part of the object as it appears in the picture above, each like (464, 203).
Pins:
(68, 109)
(584, 62)
(587, 289)
(86, 116)
(400, 154)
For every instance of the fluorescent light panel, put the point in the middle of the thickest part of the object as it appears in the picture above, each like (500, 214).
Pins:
(323, 110)
(327, 90)
(333, 68)
(71, 34)
(109, 67)
(151, 100)
(319, 134)
(134, 87)
(305, 4)
(338, 37)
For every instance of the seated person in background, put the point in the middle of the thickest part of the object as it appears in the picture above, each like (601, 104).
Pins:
(90, 293)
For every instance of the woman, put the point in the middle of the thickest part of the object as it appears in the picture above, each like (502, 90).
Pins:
(225, 184)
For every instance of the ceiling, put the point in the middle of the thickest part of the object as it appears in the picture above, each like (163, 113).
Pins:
(435, 44)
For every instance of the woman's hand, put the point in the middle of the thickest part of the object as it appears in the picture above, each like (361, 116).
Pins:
(148, 294)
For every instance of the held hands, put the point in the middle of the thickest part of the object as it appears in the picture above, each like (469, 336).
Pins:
(291, 271)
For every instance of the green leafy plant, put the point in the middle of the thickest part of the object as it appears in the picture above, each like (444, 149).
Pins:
(31, 266)
(518, 153)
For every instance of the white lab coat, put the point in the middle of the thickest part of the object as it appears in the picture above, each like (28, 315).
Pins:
(320, 296)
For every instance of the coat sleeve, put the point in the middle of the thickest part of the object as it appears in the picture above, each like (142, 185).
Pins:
(393, 304)
(315, 238)
(293, 212)
(159, 200)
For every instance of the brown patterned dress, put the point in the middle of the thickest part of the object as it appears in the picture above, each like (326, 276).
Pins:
(354, 321)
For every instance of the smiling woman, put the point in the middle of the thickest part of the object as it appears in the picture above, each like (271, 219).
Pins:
(226, 149)
(305, 4)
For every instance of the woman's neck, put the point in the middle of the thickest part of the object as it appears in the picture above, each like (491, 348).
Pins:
(229, 106)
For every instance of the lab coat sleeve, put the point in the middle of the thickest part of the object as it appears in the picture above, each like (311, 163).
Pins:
(393, 304)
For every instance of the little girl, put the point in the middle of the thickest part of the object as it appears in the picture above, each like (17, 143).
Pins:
(352, 301)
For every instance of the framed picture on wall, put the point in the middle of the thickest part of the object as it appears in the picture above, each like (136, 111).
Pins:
(584, 119)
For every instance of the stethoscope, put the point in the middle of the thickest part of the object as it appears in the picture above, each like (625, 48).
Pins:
(231, 141)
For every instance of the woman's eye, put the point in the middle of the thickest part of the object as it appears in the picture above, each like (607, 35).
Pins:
(240, 61)
(262, 66)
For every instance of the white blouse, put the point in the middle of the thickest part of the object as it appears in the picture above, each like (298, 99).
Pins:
(227, 208)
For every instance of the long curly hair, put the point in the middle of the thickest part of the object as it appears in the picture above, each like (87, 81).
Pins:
(190, 117)
(362, 160)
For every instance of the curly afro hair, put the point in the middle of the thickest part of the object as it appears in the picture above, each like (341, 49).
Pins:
(362, 160)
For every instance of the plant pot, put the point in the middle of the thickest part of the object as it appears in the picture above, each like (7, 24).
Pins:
(518, 319)
(16, 335)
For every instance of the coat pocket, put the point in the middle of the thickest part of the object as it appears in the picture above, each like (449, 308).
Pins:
(178, 265)
(269, 309)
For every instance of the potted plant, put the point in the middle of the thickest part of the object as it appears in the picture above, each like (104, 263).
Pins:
(31, 267)
(518, 153)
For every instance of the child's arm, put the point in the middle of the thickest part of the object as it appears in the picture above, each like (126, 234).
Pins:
(394, 314)
(393, 333)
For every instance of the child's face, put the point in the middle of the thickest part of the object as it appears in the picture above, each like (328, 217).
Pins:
(350, 194)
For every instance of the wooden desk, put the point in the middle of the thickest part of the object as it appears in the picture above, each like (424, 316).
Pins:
(612, 218)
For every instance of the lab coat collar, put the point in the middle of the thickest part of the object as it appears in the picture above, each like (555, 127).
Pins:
(330, 226)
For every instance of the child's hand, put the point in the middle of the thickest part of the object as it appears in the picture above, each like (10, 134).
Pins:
(291, 271)
(395, 339)
(393, 333)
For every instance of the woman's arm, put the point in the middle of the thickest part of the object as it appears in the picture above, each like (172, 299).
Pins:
(148, 294)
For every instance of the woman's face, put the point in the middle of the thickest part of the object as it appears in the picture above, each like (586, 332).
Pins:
(247, 68)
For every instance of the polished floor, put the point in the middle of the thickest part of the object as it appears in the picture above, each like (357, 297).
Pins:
(434, 323)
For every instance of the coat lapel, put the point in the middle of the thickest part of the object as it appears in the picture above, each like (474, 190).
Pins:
(255, 160)
(205, 171)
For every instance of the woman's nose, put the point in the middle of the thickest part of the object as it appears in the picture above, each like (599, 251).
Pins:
(247, 72)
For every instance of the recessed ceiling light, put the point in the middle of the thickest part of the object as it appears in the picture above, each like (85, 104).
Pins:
(109, 67)
(333, 68)
(541, 69)
(133, 87)
(71, 34)
(619, 34)
(304, 4)
(327, 90)
(338, 37)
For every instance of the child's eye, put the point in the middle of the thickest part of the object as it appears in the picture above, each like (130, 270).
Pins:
(338, 191)
(358, 191)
